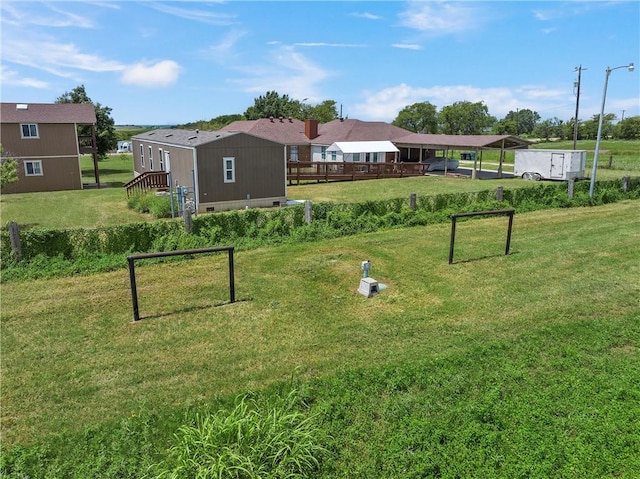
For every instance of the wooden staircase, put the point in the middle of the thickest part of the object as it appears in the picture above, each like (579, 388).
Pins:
(148, 181)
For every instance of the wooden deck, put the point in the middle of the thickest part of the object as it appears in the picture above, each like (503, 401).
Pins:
(298, 171)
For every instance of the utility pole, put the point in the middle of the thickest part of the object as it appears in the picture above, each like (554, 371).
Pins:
(575, 120)
(622, 115)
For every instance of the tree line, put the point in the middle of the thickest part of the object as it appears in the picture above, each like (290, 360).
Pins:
(459, 118)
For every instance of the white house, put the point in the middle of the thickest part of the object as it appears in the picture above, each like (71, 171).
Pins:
(362, 151)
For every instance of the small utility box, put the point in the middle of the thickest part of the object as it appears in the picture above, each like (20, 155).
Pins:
(550, 164)
(368, 287)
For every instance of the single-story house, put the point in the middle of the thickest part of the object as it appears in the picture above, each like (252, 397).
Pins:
(310, 140)
(44, 140)
(221, 170)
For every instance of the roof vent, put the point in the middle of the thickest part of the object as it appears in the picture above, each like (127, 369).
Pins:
(290, 120)
(192, 138)
(22, 106)
(167, 136)
(197, 131)
(271, 118)
(281, 119)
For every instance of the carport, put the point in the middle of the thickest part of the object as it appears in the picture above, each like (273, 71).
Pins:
(419, 147)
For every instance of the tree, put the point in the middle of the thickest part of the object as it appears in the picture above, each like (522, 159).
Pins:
(505, 127)
(106, 138)
(8, 168)
(273, 105)
(215, 124)
(420, 117)
(465, 118)
(323, 112)
(628, 129)
(525, 120)
(550, 128)
(590, 127)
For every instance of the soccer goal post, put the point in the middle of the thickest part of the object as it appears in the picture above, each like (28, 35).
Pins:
(132, 271)
(454, 217)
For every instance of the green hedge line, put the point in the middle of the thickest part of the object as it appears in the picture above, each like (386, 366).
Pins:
(266, 226)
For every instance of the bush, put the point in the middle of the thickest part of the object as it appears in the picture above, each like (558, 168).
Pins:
(254, 227)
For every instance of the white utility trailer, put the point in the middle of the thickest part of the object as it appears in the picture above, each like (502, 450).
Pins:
(550, 164)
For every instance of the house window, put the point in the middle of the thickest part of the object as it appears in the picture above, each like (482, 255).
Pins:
(294, 153)
(29, 130)
(323, 150)
(356, 157)
(160, 159)
(33, 168)
(367, 157)
(375, 157)
(150, 158)
(142, 156)
(229, 165)
(333, 156)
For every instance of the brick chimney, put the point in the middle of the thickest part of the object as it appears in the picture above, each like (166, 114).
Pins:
(311, 129)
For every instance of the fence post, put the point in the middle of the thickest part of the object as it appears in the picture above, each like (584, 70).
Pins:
(308, 212)
(570, 186)
(499, 193)
(14, 236)
(412, 201)
(625, 183)
(610, 161)
(188, 221)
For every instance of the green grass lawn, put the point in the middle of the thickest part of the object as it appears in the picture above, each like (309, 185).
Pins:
(524, 365)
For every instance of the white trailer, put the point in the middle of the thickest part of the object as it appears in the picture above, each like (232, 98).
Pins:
(550, 164)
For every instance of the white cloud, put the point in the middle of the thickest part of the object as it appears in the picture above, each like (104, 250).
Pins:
(440, 17)
(336, 45)
(287, 71)
(223, 50)
(198, 15)
(385, 104)
(60, 59)
(13, 78)
(366, 15)
(44, 15)
(159, 74)
(407, 46)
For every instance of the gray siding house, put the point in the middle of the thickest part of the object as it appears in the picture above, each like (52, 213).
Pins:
(222, 170)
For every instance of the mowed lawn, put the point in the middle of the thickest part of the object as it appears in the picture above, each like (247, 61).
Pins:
(73, 358)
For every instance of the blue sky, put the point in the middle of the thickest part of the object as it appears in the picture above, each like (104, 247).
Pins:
(174, 62)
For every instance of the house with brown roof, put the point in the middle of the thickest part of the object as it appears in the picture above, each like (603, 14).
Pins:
(220, 170)
(44, 140)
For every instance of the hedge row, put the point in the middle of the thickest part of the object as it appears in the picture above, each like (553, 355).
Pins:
(263, 226)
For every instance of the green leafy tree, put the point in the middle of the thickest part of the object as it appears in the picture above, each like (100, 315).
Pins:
(215, 124)
(324, 112)
(420, 117)
(273, 105)
(505, 127)
(591, 126)
(551, 128)
(465, 118)
(628, 129)
(106, 138)
(8, 168)
(525, 121)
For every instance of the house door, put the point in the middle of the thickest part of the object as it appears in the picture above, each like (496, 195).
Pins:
(557, 165)
(167, 162)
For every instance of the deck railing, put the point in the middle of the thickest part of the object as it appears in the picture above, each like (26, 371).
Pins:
(342, 171)
(147, 181)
